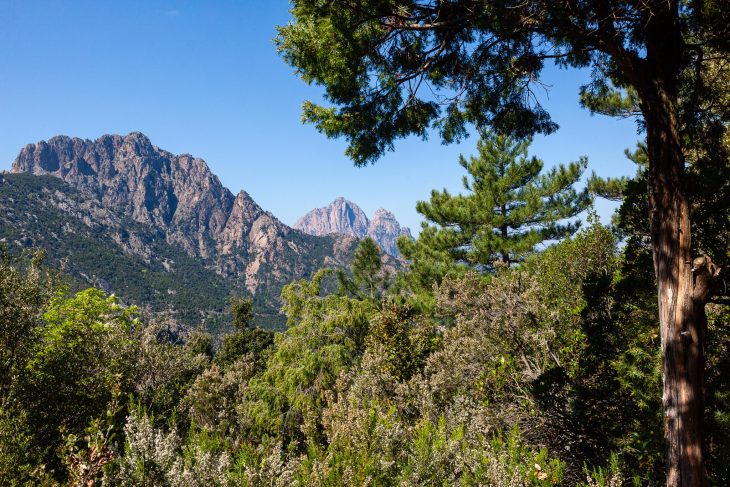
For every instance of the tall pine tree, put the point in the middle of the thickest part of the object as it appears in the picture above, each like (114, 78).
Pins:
(511, 207)
(369, 280)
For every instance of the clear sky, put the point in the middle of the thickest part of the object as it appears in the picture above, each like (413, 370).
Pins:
(204, 78)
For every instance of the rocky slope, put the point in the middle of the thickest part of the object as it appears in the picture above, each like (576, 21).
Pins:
(385, 229)
(178, 194)
(94, 245)
(346, 218)
(178, 198)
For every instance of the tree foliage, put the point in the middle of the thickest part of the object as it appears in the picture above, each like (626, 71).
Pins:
(326, 335)
(368, 278)
(546, 373)
(510, 208)
(396, 68)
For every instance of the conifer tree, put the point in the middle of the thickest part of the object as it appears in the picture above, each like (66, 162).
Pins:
(366, 265)
(368, 277)
(510, 209)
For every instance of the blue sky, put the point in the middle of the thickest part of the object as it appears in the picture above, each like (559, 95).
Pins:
(204, 78)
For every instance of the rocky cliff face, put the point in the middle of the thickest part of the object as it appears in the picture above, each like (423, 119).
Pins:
(346, 218)
(95, 245)
(176, 193)
(385, 229)
(340, 216)
(179, 197)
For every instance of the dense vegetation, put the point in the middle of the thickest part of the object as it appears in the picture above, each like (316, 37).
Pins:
(517, 349)
(543, 370)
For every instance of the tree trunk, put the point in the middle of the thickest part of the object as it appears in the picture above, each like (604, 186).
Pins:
(504, 232)
(682, 335)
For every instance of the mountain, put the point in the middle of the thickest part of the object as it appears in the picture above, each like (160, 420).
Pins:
(344, 217)
(341, 216)
(385, 230)
(168, 205)
(93, 245)
(177, 194)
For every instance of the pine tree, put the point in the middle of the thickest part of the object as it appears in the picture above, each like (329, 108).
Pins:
(368, 280)
(510, 209)
(366, 265)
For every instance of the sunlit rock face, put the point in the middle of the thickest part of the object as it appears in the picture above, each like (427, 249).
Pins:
(176, 193)
(385, 229)
(341, 216)
(346, 218)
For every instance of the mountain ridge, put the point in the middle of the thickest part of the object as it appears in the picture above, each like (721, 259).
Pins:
(344, 217)
(181, 199)
(94, 245)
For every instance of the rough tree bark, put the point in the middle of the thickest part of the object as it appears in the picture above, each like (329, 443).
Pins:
(681, 333)
(680, 316)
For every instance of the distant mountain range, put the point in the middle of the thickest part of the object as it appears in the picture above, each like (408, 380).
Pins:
(344, 217)
(161, 231)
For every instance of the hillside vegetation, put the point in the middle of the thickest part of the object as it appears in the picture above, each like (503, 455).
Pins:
(506, 366)
(91, 245)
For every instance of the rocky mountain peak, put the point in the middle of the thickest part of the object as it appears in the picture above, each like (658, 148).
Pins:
(385, 229)
(137, 143)
(244, 212)
(345, 217)
(341, 216)
(178, 194)
(179, 198)
(144, 206)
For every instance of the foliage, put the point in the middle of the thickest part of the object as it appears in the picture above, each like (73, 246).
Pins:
(396, 68)
(541, 374)
(254, 341)
(510, 207)
(89, 255)
(405, 338)
(25, 291)
(17, 462)
(165, 370)
(366, 265)
(393, 68)
(153, 457)
(212, 400)
(427, 267)
(369, 280)
(97, 246)
(612, 476)
(245, 339)
(326, 335)
(242, 311)
(85, 464)
(82, 360)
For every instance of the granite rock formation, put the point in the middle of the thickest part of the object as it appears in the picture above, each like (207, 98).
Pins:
(346, 218)
(385, 230)
(180, 198)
